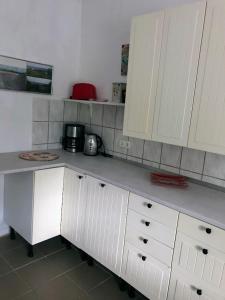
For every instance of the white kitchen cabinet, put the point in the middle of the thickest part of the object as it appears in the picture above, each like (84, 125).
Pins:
(33, 202)
(183, 288)
(182, 34)
(73, 208)
(145, 45)
(208, 117)
(145, 273)
(105, 221)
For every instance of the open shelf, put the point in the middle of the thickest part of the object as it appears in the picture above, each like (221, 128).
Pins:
(95, 102)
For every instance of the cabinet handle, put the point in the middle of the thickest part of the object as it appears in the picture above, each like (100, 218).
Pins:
(143, 258)
(102, 185)
(208, 230)
(80, 177)
(149, 205)
(205, 251)
(147, 224)
(145, 241)
(199, 292)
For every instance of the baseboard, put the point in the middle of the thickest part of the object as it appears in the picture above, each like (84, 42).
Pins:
(4, 229)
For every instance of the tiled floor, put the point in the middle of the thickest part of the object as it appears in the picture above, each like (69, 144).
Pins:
(53, 274)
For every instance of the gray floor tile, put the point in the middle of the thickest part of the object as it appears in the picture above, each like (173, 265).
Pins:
(61, 288)
(87, 277)
(4, 267)
(65, 259)
(50, 246)
(11, 286)
(7, 244)
(39, 272)
(18, 257)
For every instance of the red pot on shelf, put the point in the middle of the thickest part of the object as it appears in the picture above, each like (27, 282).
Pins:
(84, 91)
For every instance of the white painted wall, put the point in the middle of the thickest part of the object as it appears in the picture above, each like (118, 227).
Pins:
(105, 27)
(46, 31)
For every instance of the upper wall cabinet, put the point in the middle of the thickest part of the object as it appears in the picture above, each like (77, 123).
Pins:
(182, 36)
(163, 63)
(145, 46)
(208, 118)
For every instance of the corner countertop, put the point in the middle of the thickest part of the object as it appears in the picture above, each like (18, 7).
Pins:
(201, 202)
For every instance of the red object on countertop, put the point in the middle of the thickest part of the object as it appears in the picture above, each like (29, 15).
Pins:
(84, 91)
(166, 179)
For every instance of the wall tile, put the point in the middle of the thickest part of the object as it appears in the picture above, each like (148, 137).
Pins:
(169, 169)
(40, 132)
(151, 164)
(40, 147)
(190, 174)
(192, 160)
(118, 137)
(97, 114)
(214, 181)
(55, 146)
(136, 147)
(70, 112)
(134, 159)
(96, 129)
(214, 165)
(108, 138)
(56, 110)
(40, 110)
(119, 117)
(84, 115)
(171, 155)
(109, 116)
(152, 151)
(55, 132)
(119, 155)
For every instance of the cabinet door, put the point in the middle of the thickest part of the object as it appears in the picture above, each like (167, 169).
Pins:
(73, 208)
(182, 288)
(182, 36)
(149, 276)
(105, 221)
(208, 118)
(145, 45)
(47, 204)
(200, 261)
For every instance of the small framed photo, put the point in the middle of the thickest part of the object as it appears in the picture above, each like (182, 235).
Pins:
(119, 92)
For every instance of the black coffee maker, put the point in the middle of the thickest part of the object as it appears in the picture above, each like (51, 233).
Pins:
(73, 140)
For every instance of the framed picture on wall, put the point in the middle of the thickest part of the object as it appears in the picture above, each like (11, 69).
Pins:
(25, 76)
(124, 59)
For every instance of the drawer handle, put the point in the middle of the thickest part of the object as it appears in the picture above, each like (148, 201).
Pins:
(208, 230)
(102, 185)
(80, 177)
(199, 292)
(205, 251)
(147, 223)
(143, 258)
(149, 205)
(145, 241)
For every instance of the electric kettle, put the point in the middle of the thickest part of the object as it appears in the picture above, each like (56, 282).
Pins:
(92, 144)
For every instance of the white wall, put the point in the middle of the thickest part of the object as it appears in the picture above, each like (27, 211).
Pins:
(46, 31)
(105, 27)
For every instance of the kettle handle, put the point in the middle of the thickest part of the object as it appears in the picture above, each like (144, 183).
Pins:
(99, 141)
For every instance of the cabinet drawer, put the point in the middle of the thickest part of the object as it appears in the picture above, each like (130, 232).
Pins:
(184, 288)
(151, 227)
(154, 210)
(145, 273)
(198, 260)
(202, 231)
(145, 243)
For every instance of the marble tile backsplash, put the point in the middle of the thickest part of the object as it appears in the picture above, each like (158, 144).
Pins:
(107, 122)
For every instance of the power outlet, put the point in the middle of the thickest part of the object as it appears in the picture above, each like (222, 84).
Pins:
(125, 144)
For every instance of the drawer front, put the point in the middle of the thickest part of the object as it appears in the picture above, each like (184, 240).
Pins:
(145, 243)
(145, 273)
(183, 288)
(151, 227)
(202, 231)
(154, 210)
(196, 259)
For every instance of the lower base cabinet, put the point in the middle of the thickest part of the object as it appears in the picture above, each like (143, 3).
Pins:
(146, 274)
(182, 288)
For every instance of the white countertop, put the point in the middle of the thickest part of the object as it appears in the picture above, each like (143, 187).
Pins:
(204, 203)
